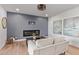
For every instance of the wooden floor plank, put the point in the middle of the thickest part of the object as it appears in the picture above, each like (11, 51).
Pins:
(17, 48)
(20, 48)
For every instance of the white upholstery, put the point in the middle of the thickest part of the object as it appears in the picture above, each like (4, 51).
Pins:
(61, 47)
(58, 39)
(31, 47)
(47, 50)
(46, 46)
(43, 42)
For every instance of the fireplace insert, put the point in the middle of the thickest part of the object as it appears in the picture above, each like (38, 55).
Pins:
(31, 33)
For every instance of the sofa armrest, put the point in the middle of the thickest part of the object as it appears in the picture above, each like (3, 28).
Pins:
(46, 50)
(63, 42)
(61, 47)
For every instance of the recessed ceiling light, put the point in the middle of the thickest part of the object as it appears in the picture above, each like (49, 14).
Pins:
(17, 9)
(46, 14)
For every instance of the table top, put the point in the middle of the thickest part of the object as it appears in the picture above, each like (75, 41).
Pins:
(37, 38)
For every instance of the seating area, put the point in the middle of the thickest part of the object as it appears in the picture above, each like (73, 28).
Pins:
(48, 46)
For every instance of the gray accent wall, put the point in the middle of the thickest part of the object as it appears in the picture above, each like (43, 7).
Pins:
(17, 22)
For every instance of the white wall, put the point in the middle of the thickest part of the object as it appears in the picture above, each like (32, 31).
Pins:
(3, 32)
(50, 27)
(67, 14)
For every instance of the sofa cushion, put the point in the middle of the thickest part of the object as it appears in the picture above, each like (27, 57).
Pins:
(44, 42)
(58, 40)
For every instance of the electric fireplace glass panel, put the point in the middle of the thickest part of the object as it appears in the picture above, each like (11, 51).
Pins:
(31, 32)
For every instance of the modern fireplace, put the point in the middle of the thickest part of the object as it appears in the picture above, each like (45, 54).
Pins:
(31, 33)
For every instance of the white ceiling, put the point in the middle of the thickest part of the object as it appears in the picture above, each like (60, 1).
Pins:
(31, 9)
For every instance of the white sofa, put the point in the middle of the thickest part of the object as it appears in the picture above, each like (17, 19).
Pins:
(48, 46)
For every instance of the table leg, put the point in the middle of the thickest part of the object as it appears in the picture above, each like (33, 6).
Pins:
(27, 43)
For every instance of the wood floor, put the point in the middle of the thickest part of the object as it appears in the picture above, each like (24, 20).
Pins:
(20, 48)
(72, 50)
(17, 48)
